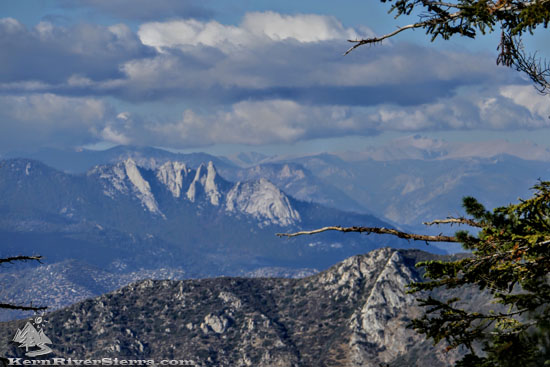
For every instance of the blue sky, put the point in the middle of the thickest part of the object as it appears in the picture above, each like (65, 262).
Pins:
(257, 75)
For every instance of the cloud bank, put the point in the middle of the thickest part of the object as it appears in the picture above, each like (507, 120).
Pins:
(36, 120)
(273, 78)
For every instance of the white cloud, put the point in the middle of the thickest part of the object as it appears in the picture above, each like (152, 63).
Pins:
(271, 79)
(51, 54)
(527, 96)
(48, 119)
(267, 56)
(303, 27)
(189, 33)
(285, 121)
(11, 25)
(255, 29)
(469, 109)
(50, 109)
(110, 135)
(254, 123)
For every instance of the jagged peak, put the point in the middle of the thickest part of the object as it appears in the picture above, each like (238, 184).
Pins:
(264, 201)
(207, 181)
(130, 161)
(195, 184)
(357, 267)
(200, 169)
(174, 166)
(113, 178)
(172, 174)
(261, 199)
(125, 177)
(211, 186)
(142, 187)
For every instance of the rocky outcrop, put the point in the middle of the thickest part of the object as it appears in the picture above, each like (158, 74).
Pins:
(354, 314)
(262, 200)
(174, 175)
(126, 178)
(259, 199)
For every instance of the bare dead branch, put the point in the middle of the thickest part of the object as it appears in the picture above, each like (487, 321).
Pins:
(9, 306)
(20, 258)
(377, 230)
(537, 69)
(366, 41)
(449, 220)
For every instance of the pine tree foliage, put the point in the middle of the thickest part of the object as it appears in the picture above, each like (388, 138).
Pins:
(511, 261)
(469, 18)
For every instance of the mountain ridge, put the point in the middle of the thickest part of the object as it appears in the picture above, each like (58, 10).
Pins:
(124, 219)
(353, 314)
(127, 177)
(397, 190)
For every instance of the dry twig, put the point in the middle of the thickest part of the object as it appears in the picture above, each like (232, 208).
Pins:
(377, 230)
(451, 221)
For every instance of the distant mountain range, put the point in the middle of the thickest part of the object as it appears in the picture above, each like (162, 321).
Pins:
(171, 219)
(406, 182)
(133, 212)
(82, 160)
(353, 314)
(424, 148)
(409, 192)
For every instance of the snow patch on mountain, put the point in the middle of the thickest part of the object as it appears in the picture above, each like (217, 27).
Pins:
(264, 201)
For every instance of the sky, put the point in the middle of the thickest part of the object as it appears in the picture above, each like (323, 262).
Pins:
(248, 75)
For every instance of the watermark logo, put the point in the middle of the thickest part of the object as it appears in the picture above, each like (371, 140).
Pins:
(33, 336)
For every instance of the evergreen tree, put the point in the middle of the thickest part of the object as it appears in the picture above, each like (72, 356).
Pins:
(510, 260)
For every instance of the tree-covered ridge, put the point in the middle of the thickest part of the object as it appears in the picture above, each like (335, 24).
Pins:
(511, 261)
